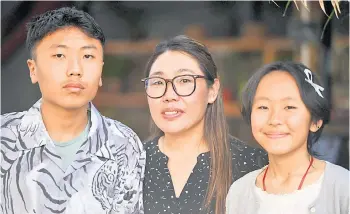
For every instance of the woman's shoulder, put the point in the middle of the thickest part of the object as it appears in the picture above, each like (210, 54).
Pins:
(151, 144)
(246, 158)
(241, 151)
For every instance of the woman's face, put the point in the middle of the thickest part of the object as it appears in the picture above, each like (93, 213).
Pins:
(280, 121)
(172, 113)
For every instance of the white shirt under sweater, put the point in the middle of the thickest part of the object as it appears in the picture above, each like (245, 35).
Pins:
(333, 197)
(290, 203)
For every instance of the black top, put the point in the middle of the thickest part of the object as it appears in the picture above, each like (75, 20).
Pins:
(158, 191)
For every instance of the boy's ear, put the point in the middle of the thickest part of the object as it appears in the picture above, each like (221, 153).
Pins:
(32, 70)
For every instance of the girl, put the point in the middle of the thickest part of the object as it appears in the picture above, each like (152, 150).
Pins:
(287, 110)
(191, 162)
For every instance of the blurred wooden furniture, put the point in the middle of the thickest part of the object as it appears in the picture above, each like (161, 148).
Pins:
(252, 39)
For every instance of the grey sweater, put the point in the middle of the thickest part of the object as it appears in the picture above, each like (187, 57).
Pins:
(333, 197)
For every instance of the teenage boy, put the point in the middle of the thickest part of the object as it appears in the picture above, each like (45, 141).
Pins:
(62, 155)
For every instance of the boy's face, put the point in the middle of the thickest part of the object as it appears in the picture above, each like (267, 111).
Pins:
(68, 67)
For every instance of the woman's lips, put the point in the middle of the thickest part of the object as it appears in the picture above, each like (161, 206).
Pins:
(172, 113)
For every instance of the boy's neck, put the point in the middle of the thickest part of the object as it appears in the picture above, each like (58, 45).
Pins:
(61, 124)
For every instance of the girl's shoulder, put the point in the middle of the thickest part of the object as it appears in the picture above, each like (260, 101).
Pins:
(337, 175)
(242, 188)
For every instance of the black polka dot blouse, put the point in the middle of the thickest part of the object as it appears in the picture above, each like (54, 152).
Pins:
(159, 195)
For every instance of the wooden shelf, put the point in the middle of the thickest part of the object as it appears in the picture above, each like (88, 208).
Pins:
(128, 100)
(269, 46)
(253, 39)
(242, 44)
(139, 100)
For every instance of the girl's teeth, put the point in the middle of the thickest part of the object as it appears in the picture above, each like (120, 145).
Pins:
(170, 112)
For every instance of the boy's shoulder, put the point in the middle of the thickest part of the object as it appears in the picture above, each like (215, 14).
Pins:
(11, 119)
(121, 130)
(11, 123)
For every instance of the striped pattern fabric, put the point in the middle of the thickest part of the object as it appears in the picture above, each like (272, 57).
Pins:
(105, 177)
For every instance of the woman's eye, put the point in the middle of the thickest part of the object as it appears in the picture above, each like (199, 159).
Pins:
(156, 82)
(185, 81)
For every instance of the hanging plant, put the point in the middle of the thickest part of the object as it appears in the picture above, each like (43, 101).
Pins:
(335, 5)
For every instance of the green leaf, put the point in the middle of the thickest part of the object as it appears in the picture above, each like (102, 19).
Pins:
(325, 25)
(285, 9)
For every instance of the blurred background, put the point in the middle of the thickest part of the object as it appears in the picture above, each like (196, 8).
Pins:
(242, 36)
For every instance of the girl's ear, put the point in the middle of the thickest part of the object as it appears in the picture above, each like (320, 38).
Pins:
(314, 127)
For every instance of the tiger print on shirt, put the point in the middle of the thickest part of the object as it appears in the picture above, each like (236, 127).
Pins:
(105, 177)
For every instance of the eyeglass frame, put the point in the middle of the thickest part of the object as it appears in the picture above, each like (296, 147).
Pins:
(195, 77)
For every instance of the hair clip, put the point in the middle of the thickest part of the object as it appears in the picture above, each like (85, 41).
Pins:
(318, 88)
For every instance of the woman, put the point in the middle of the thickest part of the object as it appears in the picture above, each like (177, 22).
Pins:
(191, 161)
(287, 110)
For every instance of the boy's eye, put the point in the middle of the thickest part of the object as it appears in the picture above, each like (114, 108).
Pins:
(60, 56)
(88, 56)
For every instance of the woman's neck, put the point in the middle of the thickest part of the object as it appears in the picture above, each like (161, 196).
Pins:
(188, 141)
(184, 144)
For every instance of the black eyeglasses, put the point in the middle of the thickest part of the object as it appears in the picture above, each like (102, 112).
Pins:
(183, 85)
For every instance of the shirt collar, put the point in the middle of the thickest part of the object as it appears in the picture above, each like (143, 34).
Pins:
(32, 132)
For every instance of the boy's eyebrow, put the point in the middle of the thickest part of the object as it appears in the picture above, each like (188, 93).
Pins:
(89, 47)
(66, 47)
(58, 46)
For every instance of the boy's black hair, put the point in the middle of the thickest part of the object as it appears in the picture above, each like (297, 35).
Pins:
(44, 24)
(317, 106)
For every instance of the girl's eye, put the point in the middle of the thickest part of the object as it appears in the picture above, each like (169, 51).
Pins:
(262, 107)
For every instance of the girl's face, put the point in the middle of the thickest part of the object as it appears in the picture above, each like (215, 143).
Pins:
(172, 113)
(280, 121)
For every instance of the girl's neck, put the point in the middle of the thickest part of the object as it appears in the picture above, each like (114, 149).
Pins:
(284, 166)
